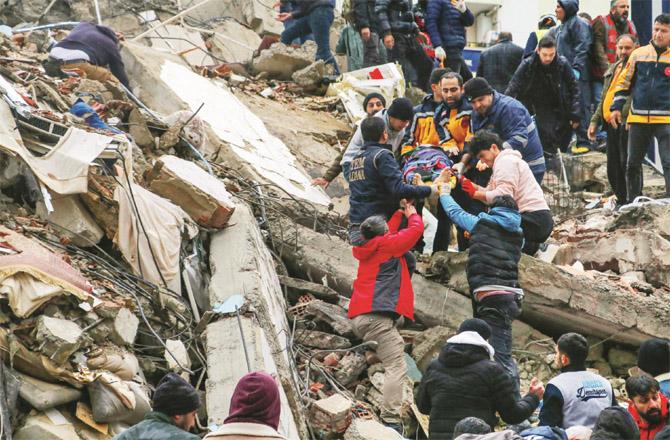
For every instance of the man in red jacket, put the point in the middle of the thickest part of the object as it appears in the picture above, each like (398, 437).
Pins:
(647, 405)
(382, 293)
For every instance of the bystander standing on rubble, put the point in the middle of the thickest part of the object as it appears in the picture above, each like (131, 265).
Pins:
(373, 103)
(365, 22)
(653, 358)
(499, 62)
(464, 381)
(289, 6)
(576, 396)
(254, 410)
(375, 182)
(511, 176)
(547, 22)
(509, 119)
(175, 403)
(573, 37)
(446, 21)
(89, 49)
(606, 30)
(647, 405)
(396, 23)
(311, 17)
(382, 293)
(396, 119)
(646, 78)
(546, 85)
(617, 138)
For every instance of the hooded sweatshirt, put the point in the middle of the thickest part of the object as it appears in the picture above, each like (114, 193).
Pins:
(615, 423)
(512, 176)
(573, 39)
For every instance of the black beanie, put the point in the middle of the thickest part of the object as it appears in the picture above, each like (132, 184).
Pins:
(174, 396)
(476, 325)
(401, 108)
(477, 87)
(374, 95)
(654, 356)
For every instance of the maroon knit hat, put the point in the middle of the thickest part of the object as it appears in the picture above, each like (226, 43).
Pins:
(255, 400)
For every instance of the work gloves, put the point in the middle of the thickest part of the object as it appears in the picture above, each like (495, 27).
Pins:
(440, 54)
(467, 186)
(459, 5)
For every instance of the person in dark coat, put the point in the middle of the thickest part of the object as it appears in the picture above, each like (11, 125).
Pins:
(366, 22)
(615, 423)
(464, 381)
(91, 49)
(446, 21)
(498, 63)
(546, 85)
(399, 31)
(573, 38)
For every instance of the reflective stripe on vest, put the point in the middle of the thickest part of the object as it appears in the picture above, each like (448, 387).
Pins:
(612, 34)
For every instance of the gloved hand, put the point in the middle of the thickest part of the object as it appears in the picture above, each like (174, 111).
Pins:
(467, 186)
(460, 5)
(415, 28)
(459, 168)
(577, 74)
(440, 54)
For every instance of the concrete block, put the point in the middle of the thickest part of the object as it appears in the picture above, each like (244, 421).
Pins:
(39, 426)
(321, 340)
(332, 414)
(73, 217)
(124, 329)
(253, 13)
(201, 195)
(361, 429)
(234, 42)
(44, 395)
(333, 315)
(350, 367)
(281, 61)
(58, 338)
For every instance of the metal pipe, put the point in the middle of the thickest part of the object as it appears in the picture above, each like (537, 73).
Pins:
(46, 26)
(97, 11)
(170, 20)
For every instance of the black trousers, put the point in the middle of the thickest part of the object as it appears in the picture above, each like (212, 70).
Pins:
(471, 206)
(554, 130)
(456, 63)
(537, 227)
(617, 157)
(407, 50)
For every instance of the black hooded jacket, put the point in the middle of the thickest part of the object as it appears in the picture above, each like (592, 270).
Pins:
(464, 382)
(615, 423)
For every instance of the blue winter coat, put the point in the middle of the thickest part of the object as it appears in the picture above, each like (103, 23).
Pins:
(446, 25)
(574, 39)
(512, 122)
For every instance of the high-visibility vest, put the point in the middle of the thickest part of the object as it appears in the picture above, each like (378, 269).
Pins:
(541, 33)
(611, 35)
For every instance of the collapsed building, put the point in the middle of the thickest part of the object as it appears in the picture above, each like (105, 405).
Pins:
(184, 235)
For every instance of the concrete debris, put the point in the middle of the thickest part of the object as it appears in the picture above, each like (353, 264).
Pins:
(321, 340)
(201, 195)
(362, 429)
(281, 61)
(311, 77)
(332, 315)
(176, 355)
(234, 42)
(58, 338)
(43, 395)
(427, 345)
(181, 41)
(253, 13)
(332, 414)
(40, 426)
(73, 217)
(124, 327)
(350, 368)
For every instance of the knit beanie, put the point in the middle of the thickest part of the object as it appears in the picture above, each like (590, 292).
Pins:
(255, 400)
(174, 396)
(654, 356)
(401, 108)
(374, 95)
(476, 325)
(477, 87)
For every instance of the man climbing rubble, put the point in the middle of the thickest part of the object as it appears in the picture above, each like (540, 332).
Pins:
(91, 49)
(464, 381)
(493, 269)
(382, 293)
(175, 403)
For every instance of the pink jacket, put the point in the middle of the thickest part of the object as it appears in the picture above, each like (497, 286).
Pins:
(512, 176)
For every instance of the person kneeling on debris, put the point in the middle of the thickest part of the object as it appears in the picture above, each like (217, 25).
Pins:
(254, 410)
(175, 403)
(647, 405)
(89, 48)
(376, 182)
(493, 269)
(511, 176)
(382, 292)
(576, 396)
(465, 381)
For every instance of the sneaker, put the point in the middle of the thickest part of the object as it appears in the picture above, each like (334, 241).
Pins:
(580, 149)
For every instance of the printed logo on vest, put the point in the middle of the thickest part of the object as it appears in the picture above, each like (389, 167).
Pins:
(591, 389)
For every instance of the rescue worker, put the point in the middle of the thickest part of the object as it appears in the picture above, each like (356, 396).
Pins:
(547, 22)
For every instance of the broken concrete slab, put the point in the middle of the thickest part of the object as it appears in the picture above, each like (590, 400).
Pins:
(234, 42)
(332, 414)
(74, 219)
(44, 395)
(254, 13)
(321, 340)
(124, 328)
(333, 315)
(362, 429)
(57, 338)
(181, 41)
(644, 217)
(281, 61)
(587, 172)
(176, 355)
(350, 367)
(427, 345)
(39, 426)
(201, 195)
(310, 78)
(557, 301)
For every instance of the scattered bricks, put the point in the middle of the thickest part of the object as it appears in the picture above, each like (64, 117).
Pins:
(321, 340)
(331, 360)
(428, 344)
(58, 338)
(350, 368)
(201, 195)
(124, 329)
(361, 429)
(43, 395)
(333, 315)
(332, 414)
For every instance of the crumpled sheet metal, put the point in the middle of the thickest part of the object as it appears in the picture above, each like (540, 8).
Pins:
(386, 79)
(34, 274)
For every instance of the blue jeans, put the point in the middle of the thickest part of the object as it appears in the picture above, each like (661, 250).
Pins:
(318, 22)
